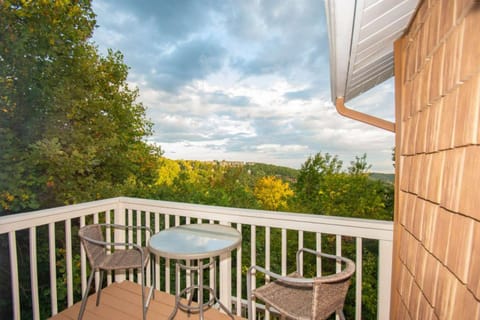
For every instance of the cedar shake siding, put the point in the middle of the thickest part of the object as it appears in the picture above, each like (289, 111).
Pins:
(436, 258)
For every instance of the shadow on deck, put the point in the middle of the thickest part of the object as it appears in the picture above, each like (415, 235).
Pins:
(122, 301)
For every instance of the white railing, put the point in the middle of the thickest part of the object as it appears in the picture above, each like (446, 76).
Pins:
(253, 224)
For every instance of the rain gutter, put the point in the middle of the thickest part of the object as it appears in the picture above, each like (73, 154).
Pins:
(363, 117)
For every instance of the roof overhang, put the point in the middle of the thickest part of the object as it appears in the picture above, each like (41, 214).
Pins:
(361, 36)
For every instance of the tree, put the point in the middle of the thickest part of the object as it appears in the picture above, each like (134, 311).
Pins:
(311, 175)
(359, 166)
(323, 188)
(168, 170)
(72, 129)
(272, 193)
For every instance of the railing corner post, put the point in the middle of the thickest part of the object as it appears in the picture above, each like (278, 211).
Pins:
(226, 280)
(385, 253)
(119, 235)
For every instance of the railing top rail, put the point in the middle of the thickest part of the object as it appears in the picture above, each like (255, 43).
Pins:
(355, 227)
(25, 220)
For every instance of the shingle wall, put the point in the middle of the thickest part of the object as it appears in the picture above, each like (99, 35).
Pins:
(437, 221)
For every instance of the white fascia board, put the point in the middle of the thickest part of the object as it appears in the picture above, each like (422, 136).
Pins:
(340, 17)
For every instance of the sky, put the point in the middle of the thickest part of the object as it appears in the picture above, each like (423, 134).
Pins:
(241, 80)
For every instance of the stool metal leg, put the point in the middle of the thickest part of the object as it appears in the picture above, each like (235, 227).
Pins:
(85, 295)
(99, 292)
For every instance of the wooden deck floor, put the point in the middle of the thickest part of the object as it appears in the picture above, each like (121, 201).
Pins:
(122, 301)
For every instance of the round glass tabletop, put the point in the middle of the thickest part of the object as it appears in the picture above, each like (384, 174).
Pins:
(195, 241)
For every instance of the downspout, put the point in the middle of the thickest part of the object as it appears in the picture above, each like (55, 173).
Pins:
(363, 117)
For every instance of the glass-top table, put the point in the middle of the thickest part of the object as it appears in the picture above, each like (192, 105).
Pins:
(195, 242)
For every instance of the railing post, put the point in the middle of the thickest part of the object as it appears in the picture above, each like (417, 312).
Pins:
(385, 251)
(226, 280)
(225, 277)
(119, 235)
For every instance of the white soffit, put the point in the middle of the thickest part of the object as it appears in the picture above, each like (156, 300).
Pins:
(361, 35)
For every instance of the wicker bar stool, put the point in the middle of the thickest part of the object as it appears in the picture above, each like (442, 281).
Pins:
(296, 297)
(133, 257)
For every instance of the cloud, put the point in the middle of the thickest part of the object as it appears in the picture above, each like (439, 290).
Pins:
(166, 21)
(219, 97)
(186, 62)
(305, 94)
(240, 80)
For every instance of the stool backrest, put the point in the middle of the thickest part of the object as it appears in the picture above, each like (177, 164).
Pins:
(95, 252)
(329, 293)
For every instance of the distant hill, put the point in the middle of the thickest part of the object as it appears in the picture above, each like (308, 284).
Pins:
(262, 169)
(286, 173)
(385, 177)
(290, 174)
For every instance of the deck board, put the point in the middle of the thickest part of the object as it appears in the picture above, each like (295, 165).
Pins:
(122, 301)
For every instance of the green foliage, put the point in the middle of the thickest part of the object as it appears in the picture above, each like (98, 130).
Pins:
(311, 176)
(259, 170)
(359, 166)
(272, 193)
(323, 188)
(71, 127)
(211, 183)
(354, 196)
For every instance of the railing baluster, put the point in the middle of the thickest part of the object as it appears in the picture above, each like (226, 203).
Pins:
(97, 275)
(284, 252)
(53, 267)
(358, 279)
(83, 259)
(167, 261)
(139, 241)
(300, 246)
(147, 237)
(108, 238)
(338, 251)
(12, 243)
(211, 270)
(130, 238)
(33, 272)
(156, 229)
(239, 275)
(267, 262)
(68, 245)
(253, 261)
(267, 252)
(177, 275)
(188, 272)
(319, 248)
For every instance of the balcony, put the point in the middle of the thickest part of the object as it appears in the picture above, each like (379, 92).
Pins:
(54, 230)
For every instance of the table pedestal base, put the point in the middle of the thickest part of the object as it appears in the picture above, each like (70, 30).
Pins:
(199, 288)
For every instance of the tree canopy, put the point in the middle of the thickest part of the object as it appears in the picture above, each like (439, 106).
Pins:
(272, 193)
(71, 128)
(323, 188)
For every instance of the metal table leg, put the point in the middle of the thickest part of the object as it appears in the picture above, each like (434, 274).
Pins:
(199, 286)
